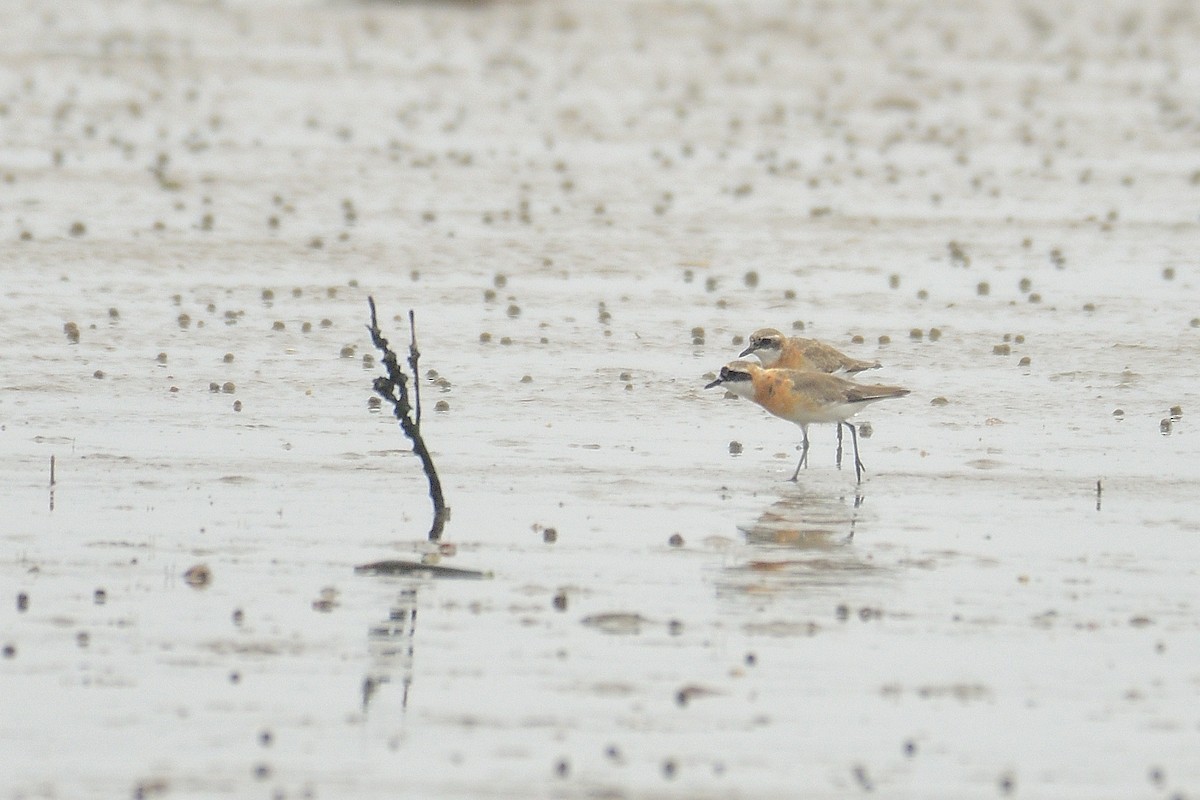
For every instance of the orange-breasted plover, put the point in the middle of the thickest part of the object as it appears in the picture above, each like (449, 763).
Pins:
(781, 352)
(804, 398)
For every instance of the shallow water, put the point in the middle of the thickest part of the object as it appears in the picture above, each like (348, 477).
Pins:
(973, 620)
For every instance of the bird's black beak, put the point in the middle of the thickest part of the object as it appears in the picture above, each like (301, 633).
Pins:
(747, 351)
(717, 382)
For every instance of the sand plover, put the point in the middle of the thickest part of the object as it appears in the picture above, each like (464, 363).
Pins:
(781, 352)
(804, 398)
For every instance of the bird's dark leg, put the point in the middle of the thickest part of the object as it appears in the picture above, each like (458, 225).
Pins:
(858, 465)
(839, 450)
(803, 453)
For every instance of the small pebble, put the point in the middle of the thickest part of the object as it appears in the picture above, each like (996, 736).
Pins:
(1024, 362)
(198, 576)
(549, 535)
(560, 600)
(22, 601)
(237, 405)
(982, 288)
(99, 597)
(1001, 350)
(676, 540)
(916, 333)
(278, 325)
(735, 448)
(441, 405)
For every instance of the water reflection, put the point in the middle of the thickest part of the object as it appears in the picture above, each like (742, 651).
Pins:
(390, 645)
(804, 539)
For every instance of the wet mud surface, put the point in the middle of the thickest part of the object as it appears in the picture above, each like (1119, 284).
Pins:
(589, 206)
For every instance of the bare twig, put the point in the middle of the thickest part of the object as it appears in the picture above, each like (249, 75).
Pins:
(413, 355)
(394, 389)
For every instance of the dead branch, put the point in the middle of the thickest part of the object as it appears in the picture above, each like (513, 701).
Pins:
(394, 388)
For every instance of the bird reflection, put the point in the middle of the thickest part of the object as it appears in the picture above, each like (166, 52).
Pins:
(803, 539)
(390, 644)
